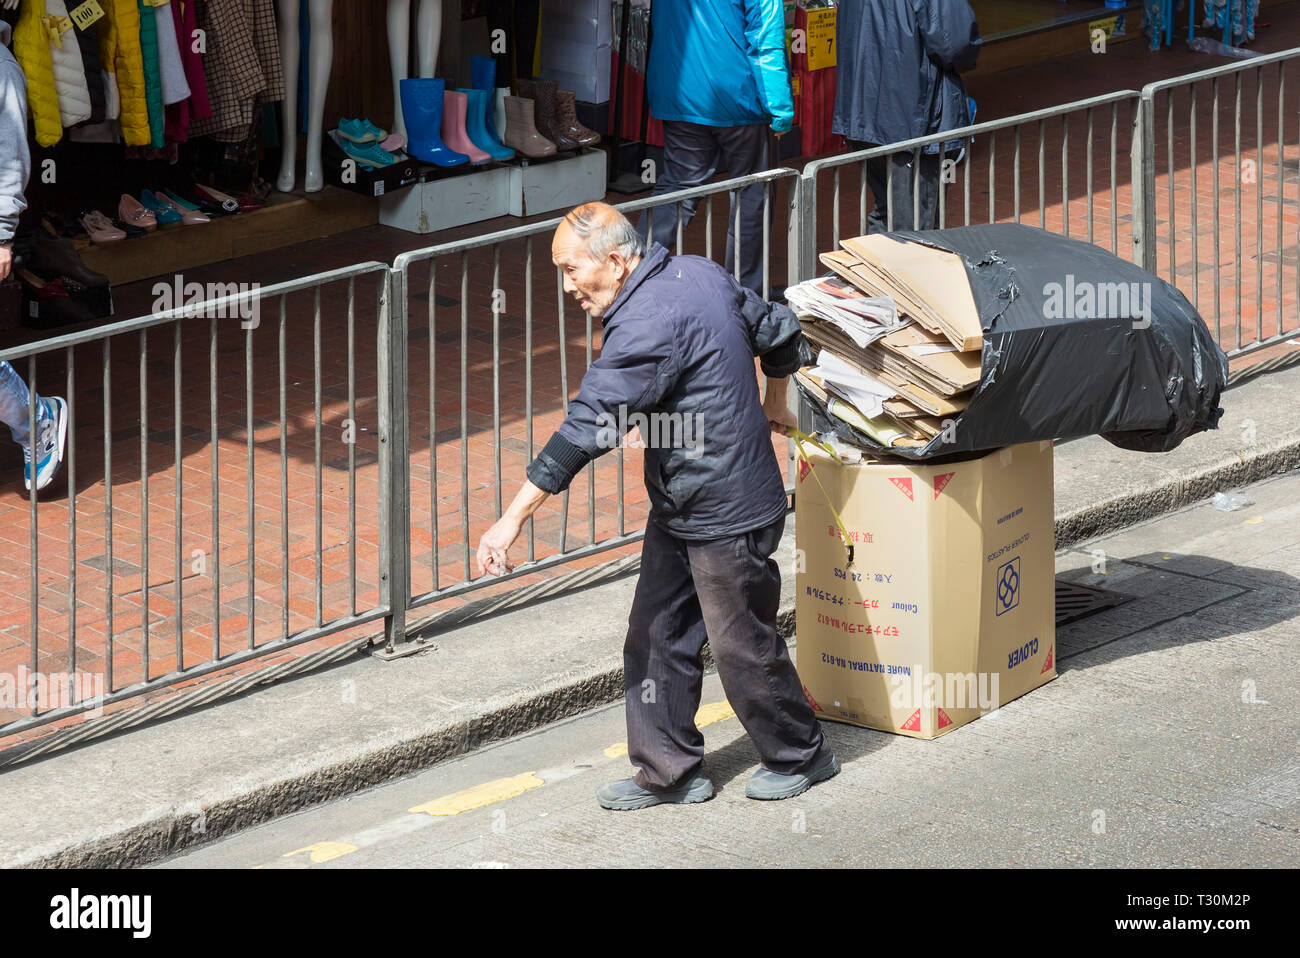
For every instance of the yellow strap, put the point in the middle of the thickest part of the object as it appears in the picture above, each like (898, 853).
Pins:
(800, 438)
(55, 27)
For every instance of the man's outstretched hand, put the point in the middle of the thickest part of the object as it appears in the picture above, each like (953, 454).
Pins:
(493, 548)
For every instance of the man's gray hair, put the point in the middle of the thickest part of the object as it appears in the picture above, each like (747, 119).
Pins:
(603, 233)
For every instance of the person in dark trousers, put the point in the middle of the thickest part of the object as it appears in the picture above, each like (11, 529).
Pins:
(677, 359)
(717, 77)
(898, 78)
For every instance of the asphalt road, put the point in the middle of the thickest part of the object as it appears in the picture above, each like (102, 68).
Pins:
(1169, 739)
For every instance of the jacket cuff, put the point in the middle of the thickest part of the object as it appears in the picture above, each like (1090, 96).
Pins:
(556, 465)
(787, 358)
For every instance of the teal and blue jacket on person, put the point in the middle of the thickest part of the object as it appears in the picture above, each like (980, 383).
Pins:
(719, 63)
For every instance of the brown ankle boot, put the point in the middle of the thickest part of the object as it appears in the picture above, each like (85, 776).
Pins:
(544, 114)
(521, 132)
(566, 118)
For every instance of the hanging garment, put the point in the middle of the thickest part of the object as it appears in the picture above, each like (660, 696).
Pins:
(181, 115)
(242, 65)
(815, 102)
(175, 88)
(119, 52)
(152, 73)
(69, 71)
(89, 48)
(32, 50)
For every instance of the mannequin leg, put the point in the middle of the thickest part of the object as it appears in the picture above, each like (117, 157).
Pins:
(527, 14)
(429, 24)
(399, 45)
(288, 26)
(321, 58)
(498, 18)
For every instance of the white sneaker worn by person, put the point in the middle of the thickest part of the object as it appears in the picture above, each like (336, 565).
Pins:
(52, 437)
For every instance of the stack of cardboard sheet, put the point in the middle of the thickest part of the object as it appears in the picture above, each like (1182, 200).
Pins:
(922, 370)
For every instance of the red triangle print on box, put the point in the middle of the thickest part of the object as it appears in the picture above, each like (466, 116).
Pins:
(904, 484)
(913, 724)
(941, 481)
(944, 721)
(1048, 664)
(804, 469)
(811, 701)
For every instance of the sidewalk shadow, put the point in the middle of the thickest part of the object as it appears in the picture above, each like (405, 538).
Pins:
(1249, 599)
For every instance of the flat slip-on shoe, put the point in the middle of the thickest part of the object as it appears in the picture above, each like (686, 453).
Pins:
(164, 213)
(769, 786)
(132, 232)
(228, 203)
(627, 795)
(132, 211)
(101, 228)
(206, 207)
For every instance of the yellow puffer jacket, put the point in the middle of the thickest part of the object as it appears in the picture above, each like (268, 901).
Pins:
(32, 50)
(119, 51)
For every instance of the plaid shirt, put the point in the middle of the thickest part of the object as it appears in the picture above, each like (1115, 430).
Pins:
(242, 65)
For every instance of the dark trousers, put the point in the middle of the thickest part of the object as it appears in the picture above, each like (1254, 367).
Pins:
(899, 191)
(726, 590)
(692, 155)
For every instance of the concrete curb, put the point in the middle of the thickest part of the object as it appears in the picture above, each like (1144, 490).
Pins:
(1229, 472)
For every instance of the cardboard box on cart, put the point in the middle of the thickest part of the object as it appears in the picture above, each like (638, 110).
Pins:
(948, 608)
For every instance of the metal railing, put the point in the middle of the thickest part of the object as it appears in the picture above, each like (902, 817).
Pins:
(535, 346)
(1258, 157)
(189, 577)
(485, 366)
(1114, 113)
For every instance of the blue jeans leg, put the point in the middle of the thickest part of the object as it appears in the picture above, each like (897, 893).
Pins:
(14, 401)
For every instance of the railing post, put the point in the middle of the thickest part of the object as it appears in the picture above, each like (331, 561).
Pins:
(803, 265)
(394, 459)
(1142, 156)
(806, 186)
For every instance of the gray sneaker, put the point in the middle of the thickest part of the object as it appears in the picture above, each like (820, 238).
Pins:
(769, 786)
(625, 795)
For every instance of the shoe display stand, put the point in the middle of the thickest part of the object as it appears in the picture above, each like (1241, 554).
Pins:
(557, 182)
(287, 219)
(444, 199)
(519, 187)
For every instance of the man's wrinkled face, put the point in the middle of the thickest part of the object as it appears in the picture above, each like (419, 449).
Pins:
(593, 284)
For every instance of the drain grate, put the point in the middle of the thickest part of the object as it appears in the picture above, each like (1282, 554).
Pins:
(1074, 601)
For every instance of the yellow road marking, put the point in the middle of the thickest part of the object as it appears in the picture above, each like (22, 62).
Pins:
(324, 851)
(480, 795)
(1253, 520)
(614, 751)
(714, 712)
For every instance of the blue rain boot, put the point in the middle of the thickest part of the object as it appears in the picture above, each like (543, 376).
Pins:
(483, 72)
(478, 133)
(422, 108)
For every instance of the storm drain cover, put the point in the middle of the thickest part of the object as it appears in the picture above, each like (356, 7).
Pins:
(1074, 601)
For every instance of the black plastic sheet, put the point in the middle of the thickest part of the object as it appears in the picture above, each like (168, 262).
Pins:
(1077, 342)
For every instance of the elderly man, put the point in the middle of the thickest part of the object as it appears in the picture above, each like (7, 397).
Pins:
(680, 337)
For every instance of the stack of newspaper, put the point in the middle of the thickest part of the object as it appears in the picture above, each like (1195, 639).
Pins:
(898, 337)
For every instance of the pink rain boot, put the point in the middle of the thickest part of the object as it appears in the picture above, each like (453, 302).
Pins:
(453, 127)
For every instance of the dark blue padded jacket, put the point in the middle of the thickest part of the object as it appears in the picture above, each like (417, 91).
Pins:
(678, 349)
